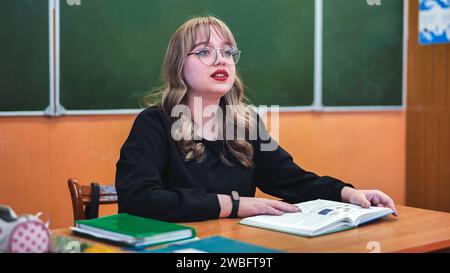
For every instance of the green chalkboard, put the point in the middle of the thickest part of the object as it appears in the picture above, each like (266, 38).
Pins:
(24, 55)
(362, 53)
(111, 50)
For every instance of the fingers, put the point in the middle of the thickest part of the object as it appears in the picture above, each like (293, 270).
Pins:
(274, 207)
(359, 198)
(387, 201)
(380, 199)
(271, 211)
(251, 206)
(283, 206)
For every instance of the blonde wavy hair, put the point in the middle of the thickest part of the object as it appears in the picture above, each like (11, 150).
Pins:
(174, 91)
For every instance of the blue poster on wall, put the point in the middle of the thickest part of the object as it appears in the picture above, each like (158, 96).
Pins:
(434, 21)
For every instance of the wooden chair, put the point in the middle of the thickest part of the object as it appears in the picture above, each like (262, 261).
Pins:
(81, 196)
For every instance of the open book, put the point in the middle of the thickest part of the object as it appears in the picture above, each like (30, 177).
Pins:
(318, 217)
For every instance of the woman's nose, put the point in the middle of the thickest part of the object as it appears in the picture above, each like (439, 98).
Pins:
(220, 59)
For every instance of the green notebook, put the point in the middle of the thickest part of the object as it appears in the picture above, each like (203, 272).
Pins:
(133, 230)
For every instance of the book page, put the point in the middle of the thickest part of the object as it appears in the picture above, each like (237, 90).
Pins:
(304, 220)
(315, 215)
(354, 213)
(362, 215)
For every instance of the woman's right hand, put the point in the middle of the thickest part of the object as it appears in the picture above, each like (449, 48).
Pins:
(251, 206)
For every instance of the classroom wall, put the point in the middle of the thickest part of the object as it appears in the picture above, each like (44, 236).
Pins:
(39, 154)
(428, 126)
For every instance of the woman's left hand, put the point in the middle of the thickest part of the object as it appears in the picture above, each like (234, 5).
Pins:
(367, 198)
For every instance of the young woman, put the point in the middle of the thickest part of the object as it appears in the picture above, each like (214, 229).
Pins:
(191, 173)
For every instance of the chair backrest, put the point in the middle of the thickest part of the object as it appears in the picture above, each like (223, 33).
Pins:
(81, 196)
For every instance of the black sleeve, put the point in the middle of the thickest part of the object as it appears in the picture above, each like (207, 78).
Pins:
(139, 185)
(277, 174)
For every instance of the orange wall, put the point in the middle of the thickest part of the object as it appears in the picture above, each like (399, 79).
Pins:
(39, 154)
(362, 148)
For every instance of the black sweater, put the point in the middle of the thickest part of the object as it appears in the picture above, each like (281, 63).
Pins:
(153, 180)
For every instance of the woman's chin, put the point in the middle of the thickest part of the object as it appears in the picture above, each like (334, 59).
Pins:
(219, 91)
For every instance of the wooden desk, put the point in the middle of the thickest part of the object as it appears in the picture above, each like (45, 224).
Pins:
(416, 230)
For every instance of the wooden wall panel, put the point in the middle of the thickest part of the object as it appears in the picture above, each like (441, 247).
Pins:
(428, 121)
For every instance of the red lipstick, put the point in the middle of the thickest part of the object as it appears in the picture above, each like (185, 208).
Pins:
(220, 75)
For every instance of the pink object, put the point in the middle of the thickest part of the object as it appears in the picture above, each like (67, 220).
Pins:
(29, 237)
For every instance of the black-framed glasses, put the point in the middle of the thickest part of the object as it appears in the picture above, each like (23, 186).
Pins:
(208, 55)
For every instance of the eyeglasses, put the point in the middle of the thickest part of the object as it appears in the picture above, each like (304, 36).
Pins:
(208, 55)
